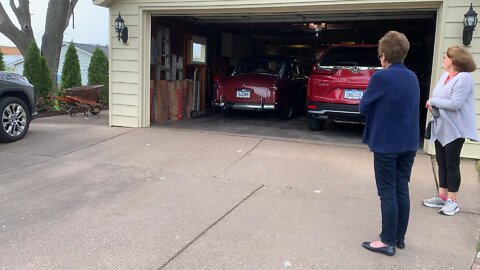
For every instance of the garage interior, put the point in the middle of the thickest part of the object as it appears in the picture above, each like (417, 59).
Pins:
(188, 51)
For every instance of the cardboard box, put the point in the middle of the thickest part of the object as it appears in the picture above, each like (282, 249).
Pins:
(159, 100)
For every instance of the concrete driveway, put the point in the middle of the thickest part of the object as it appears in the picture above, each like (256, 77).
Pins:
(77, 194)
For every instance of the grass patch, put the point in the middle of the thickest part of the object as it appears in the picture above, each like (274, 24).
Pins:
(478, 246)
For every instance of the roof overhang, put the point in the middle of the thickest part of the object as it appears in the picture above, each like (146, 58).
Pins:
(103, 3)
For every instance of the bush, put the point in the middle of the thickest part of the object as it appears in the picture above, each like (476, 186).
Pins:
(2, 64)
(36, 69)
(71, 76)
(98, 73)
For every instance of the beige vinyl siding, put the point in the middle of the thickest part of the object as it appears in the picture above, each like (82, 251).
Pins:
(129, 82)
(125, 85)
(123, 121)
(126, 99)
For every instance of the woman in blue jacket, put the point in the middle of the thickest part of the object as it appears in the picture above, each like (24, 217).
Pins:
(391, 107)
(454, 96)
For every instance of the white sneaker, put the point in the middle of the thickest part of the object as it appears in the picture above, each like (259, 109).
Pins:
(435, 202)
(450, 208)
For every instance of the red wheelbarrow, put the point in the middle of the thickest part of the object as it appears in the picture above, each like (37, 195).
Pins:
(73, 105)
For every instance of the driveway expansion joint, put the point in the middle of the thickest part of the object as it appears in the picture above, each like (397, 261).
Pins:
(210, 227)
(242, 157)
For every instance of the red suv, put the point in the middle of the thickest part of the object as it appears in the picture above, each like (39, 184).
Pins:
(337, 83)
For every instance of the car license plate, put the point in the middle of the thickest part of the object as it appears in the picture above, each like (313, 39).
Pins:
(244, 93)
(352, 94)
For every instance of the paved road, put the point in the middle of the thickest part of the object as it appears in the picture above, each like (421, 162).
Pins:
(77, 194)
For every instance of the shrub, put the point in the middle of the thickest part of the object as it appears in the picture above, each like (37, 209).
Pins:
(36, 69)
(98, 73)
(71, 76)
(2, 64)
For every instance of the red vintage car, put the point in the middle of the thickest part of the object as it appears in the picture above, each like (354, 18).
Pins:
(263, 83)
(337, 83)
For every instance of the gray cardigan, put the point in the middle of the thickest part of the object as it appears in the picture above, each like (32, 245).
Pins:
(456, 103)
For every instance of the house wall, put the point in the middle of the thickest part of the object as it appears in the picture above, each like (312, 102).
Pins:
(18, 68)
(129, 99)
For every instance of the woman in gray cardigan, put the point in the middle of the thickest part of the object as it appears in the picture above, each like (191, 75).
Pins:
(454, 96)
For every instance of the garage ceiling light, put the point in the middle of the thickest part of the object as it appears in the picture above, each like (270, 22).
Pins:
(317, 27)
(469, 23)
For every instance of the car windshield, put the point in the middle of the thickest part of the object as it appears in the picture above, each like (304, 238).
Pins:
(259, 67)
(351, 56)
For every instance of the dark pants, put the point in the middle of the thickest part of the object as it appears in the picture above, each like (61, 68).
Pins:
(392, 175)
(448, 160)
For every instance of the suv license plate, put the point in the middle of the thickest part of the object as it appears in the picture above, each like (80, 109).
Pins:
(243, 93)
(352, 94)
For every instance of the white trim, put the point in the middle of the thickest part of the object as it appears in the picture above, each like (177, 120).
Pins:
(144, 97)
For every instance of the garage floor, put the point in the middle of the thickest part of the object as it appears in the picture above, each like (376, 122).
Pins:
(267, 125)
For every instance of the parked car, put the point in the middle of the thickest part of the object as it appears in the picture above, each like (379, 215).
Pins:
(17, 105)
(337, 83)
(276, 83)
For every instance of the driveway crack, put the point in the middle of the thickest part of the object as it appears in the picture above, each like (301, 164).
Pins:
(242, 157)
(209, 227)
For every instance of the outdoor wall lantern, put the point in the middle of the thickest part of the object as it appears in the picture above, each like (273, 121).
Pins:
(469, 23)
(122, 30)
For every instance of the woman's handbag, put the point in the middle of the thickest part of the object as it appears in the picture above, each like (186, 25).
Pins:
(428, 131)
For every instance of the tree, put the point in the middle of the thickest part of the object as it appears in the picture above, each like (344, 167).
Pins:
(36, 70)
(2, 64)
(98, 73)
(71, 75)
(58, 17)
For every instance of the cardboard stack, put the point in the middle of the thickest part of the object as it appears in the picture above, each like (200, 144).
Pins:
(171, 100)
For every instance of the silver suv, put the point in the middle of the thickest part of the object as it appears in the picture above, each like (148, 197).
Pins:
(17, 105)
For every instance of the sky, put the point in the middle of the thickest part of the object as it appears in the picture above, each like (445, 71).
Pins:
(91, 22)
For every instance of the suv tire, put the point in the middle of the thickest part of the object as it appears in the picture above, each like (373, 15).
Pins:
(15, 118)
(315, 124)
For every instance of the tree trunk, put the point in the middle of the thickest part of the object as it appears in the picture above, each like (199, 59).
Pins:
(58, 17)
(20, 37)
(58, 14)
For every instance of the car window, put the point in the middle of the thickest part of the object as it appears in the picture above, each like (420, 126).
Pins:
(351, 56)
(259, 67)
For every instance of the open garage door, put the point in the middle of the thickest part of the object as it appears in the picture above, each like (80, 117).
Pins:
(221, 40)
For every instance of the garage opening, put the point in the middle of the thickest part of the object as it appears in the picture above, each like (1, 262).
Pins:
(187, 52)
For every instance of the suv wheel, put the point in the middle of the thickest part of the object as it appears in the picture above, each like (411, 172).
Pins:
(315, 124)
(15, 119)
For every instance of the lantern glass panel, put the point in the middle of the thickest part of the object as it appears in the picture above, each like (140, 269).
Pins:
(119, 24)
(470, 21)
